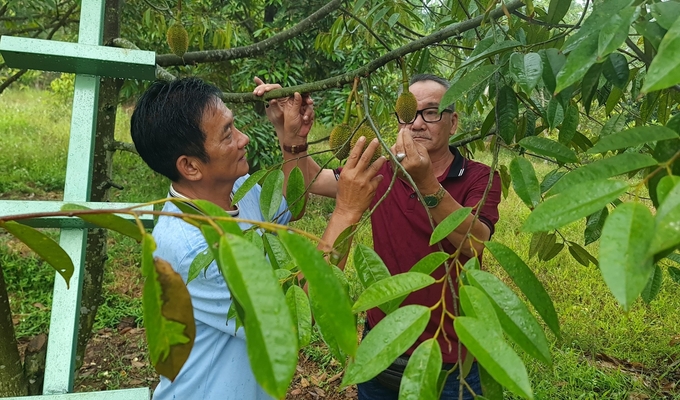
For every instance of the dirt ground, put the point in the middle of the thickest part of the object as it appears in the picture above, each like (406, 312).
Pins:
(117, 358)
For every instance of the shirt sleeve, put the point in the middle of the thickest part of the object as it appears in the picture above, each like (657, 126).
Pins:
(489, 211)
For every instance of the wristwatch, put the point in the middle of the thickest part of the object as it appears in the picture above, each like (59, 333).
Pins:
(433, 200)
(295, 149)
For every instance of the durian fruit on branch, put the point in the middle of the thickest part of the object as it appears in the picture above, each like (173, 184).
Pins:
(178, 37)
(339, 140)
(407, 105)
(364, 130)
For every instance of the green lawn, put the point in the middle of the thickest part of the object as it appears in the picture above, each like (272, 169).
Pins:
(604, 352)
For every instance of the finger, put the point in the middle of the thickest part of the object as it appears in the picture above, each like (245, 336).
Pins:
(355, 153)
(365, 159)
(377, 164)
(409, 145)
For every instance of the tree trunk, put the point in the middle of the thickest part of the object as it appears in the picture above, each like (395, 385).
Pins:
(12, 379)
(95, 253)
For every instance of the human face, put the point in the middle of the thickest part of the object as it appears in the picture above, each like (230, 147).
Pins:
(224, 144)
(434, 136)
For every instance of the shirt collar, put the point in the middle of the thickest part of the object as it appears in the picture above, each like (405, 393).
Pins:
(457, 167)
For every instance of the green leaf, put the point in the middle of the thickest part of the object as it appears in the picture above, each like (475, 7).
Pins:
(492, 390)
(665, 13)
(295, 192)
(227, 223)
(249, 184)
(549, 148)
(391, 288)
(449, 224)
(663, 71)
(278, 256)
(386, 341)
(421, 372)
(546, 245)
(492, 50)
(43, 246)
(271, 339)
(674, 273)
(602, 13)
(494, 354)
(527, 282)
(615, 31)
(624, 260)
(168, 314)
(301, 313)
(569, 125)
(524, 181)
(613, 125)
(555, 113)
(332, 308)
(108, 221)
(342, 245)
(507, 113)
(526, 69)
(505, 180)
(516, 319)
(201, 262)
(594, 224)
(272, 194)
(428, 264)
(369, 266)
(632, 137)
(557, 10)
(550, 179)
(536, 242)
(589, 85)
(665, 185)
(553, 61)
(615, 69)
(552, 252)
(667, 231)
(602, 169)
(581, 255)
(613, 100)
(653, 286)
(578, 63)
(651, 31)
(582, 200)
(466, 83)
(477, 304)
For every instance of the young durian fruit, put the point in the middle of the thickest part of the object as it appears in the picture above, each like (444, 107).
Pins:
(340, 135)
(366, 131)
(407, 105)
(178, 38)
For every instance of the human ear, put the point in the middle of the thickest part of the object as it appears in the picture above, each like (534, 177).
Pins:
(454, 123)
(189, 168)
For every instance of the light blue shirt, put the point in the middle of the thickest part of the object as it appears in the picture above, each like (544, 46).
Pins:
(218, 367)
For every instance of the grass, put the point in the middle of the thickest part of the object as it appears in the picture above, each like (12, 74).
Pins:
(594, 327)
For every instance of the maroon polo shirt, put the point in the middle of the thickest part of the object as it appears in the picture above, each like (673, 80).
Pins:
(401, 236)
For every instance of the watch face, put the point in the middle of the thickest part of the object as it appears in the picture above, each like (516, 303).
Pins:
(431, 201)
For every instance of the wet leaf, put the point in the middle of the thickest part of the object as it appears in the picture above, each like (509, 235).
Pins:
(201, 262)
(108, 221)
(624, 259)
(507, 113)
(301, 312)
(583, 200)
(449, 224)
(524, 181)
(295, 192)
(249, 183)
(663, 71)
(271, 339)
(466, 83)
(391, 288)
(272, 194)
(549, 148)
(420, 375)
(632, 137)
(667, 231)
(653, 286)
(44, 247)
(386, 341)
(527, 282)
(168, 314)
(526, 69)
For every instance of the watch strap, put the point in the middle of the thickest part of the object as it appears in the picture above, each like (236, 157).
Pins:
(295, 148)
(433, 200)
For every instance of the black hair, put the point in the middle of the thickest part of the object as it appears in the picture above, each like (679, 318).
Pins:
(434, 78)
(166, 123)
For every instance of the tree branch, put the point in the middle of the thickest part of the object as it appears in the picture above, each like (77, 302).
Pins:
(121, 146)
(211, 56)
(639, 53)
(161, 73)
(339, 80)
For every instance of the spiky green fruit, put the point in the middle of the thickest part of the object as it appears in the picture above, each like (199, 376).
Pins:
(178, 39)
(406, 106)
(339, 141)
(369, 134)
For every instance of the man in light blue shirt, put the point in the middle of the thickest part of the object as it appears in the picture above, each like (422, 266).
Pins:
(183, 131)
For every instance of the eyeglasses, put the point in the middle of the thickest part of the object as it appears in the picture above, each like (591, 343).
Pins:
(430, 114)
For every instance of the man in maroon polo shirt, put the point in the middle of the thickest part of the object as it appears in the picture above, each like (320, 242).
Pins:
(401, 227)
